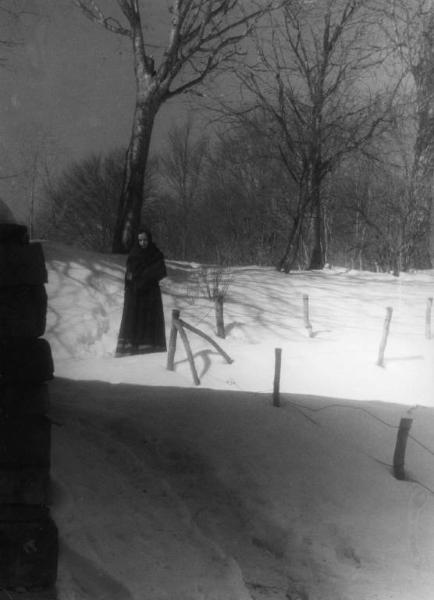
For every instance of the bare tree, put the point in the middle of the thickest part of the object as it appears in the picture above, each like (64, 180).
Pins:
(37, 156)
(181, 168)
(245, 200)
(83, 202)
(375, 221)
(410, 29)
(312, 83)
(204, 36)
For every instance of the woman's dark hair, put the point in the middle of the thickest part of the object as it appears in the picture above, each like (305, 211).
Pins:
(143, 229)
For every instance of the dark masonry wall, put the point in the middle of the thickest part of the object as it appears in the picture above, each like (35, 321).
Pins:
(28, 535)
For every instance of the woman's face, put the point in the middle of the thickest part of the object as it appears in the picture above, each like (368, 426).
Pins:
(143, 240)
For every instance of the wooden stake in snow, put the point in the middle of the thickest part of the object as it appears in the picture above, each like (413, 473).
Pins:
(428, 318)
(277, 367)
(218, 305)
(401, 444)
(307, 323)
(386, 327)
(172, 341)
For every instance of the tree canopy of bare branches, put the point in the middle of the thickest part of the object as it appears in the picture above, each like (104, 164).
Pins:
(204, 36)
(182, 169)
(313, 81)
(409, 27)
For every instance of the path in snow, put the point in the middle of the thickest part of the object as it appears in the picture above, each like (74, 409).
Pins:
(177, 482)
(153, 501)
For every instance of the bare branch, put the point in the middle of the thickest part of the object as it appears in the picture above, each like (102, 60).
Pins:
(93, 12)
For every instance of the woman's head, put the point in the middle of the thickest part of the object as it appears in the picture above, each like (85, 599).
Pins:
(144, 238)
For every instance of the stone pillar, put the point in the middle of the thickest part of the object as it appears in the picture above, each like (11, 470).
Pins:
(28, 535)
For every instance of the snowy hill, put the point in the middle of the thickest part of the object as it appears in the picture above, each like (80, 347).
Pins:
(165, 490)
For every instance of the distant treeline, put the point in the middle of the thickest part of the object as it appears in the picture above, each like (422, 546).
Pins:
(230, 202)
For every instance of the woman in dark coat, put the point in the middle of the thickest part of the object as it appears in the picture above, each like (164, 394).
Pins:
(142, 326)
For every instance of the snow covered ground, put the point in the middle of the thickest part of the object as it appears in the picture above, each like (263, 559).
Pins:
(163, 490)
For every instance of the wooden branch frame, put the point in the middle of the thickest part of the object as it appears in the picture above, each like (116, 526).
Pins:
(187, 347)
(178, 325)
(227, 358)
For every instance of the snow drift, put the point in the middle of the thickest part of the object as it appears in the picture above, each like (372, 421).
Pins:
(164, 490)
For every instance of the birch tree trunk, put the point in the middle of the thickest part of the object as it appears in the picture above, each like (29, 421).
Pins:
(150, 95)
(131, 200)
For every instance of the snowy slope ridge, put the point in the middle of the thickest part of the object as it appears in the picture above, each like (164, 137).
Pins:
(164, 490)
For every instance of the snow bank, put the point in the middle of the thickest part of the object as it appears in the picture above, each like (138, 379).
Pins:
(167, 491)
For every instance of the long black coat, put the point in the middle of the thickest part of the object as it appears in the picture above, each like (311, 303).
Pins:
(142, 327)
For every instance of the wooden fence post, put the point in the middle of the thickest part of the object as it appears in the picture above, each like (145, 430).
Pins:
(277, 368)
(172, 340)
(386, 327)
(220, 324)
(307, 322)
(401, 443)
(428, 318)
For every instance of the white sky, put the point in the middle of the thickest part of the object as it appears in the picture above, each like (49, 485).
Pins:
(166, 490)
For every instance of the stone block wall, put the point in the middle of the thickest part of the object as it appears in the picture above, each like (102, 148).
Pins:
(28, 535)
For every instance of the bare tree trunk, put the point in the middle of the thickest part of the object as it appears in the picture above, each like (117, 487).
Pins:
(317, 260)
(292, 247)
(149, 97)
(131, 200)
(284, 263)
(290, 254)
